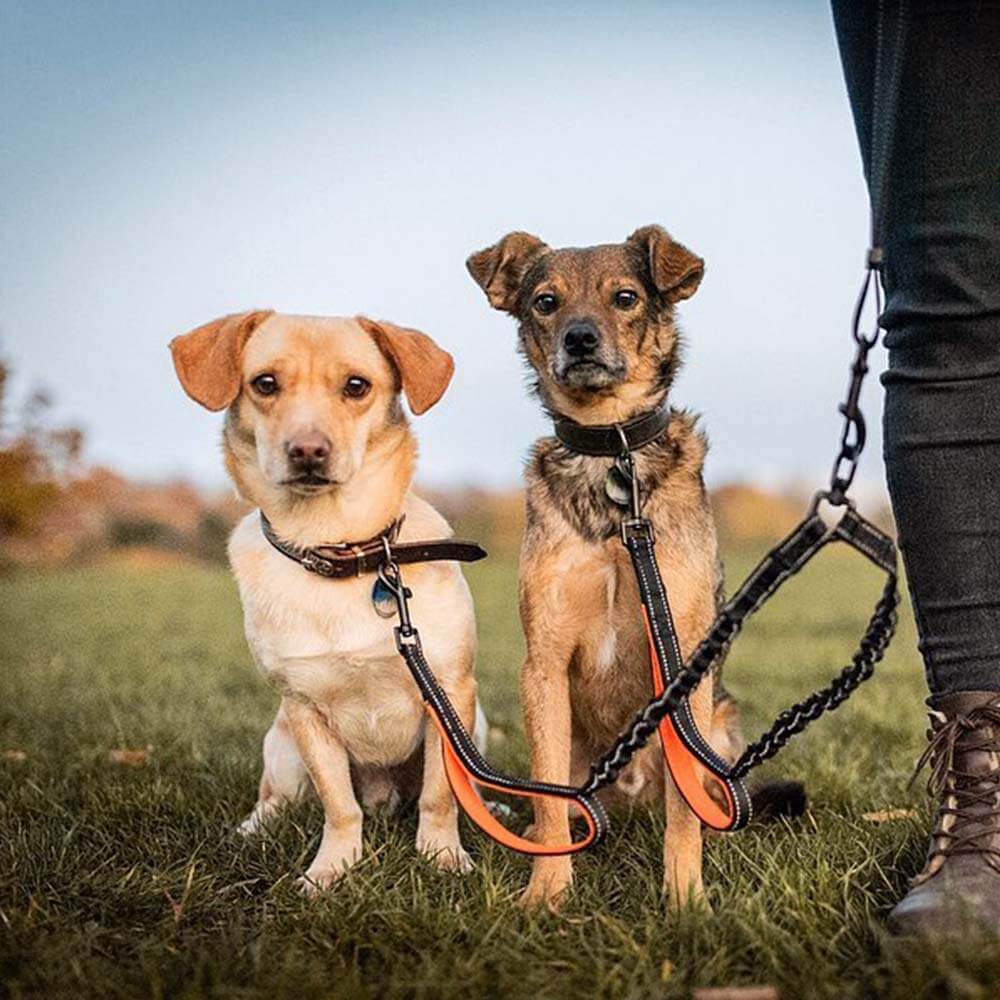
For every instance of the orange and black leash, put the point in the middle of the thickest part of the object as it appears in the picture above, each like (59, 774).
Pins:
(465, 766)
(688, 755)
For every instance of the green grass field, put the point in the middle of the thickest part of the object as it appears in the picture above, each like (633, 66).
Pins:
(127, 881)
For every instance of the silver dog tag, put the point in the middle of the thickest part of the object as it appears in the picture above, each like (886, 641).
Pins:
(383, 600)
(618, 484)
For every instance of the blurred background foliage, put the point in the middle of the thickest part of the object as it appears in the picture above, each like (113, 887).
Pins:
(56, 508)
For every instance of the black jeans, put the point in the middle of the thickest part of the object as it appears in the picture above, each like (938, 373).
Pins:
(941, 234)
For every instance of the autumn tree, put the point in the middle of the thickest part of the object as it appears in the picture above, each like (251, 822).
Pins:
(34, 460)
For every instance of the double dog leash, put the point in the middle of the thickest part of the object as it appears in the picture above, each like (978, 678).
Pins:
(688, 756)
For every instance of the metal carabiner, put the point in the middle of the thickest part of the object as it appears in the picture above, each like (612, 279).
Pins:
(389, 575)
(855, 433)
(629, 459)
(873, 272)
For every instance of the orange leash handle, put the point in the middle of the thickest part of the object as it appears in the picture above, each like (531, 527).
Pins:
(690, 759)
(689, 773)
(466, 768)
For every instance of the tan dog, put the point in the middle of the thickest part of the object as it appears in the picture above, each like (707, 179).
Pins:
(597, 327)
(315, 436)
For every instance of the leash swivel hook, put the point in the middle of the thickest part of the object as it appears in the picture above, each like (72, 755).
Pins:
(634, 523)
(391, 578)
(854, 433)
(872, 282)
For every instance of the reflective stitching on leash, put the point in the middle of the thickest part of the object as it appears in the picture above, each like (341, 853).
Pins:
(692, 734)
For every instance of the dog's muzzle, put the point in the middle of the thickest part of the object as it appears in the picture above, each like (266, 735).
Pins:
(307, 456)
(584, 360)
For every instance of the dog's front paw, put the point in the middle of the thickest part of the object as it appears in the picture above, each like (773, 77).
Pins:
(319, 878)
(330, 864)
(550, 882)
(446, 854)
(313, 885)
(250, 827)
(257, 821)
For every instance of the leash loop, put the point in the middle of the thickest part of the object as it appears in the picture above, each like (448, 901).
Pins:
(669, 711)
(465, 767)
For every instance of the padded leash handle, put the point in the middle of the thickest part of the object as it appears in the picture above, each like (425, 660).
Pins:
(465, 766)
(689, 757)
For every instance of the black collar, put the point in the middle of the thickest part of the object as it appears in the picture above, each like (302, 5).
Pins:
(613, 439)
(346, 559)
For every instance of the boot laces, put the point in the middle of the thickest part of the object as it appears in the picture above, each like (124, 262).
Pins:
(975, 795)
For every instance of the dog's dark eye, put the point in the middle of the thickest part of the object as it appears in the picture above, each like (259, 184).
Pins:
(545, 304)
(626, 298)
(357, 387)
(265, 385)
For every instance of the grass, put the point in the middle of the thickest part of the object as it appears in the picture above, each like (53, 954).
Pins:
(127, 881)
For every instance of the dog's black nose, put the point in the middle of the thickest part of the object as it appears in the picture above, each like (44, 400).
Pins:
(308, 451)
(580, 340)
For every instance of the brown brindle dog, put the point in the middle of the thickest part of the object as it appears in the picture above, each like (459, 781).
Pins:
(597, 327)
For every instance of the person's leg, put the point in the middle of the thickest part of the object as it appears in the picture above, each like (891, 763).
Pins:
(941, 236)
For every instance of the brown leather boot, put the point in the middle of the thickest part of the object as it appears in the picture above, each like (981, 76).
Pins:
(960, 883)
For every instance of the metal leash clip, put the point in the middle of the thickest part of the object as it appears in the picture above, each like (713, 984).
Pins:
(635, 525)
(390, 577)
(854, 434)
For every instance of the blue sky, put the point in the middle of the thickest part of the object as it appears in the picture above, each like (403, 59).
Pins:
(166, 163)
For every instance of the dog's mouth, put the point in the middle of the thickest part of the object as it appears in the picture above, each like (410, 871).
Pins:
(309, 482)
(589, 373)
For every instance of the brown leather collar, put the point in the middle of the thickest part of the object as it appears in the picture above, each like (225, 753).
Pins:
(341, 560)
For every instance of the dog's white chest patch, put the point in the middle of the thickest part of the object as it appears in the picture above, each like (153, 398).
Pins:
(322, 641)
(607, 650)
(369, 701)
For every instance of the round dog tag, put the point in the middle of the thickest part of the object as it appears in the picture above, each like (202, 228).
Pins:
(383, 601)
(618, 485)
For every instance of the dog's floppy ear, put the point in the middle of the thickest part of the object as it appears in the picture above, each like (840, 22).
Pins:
(207, 360)
(675, 270)
(500, 269)
(424, 368)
